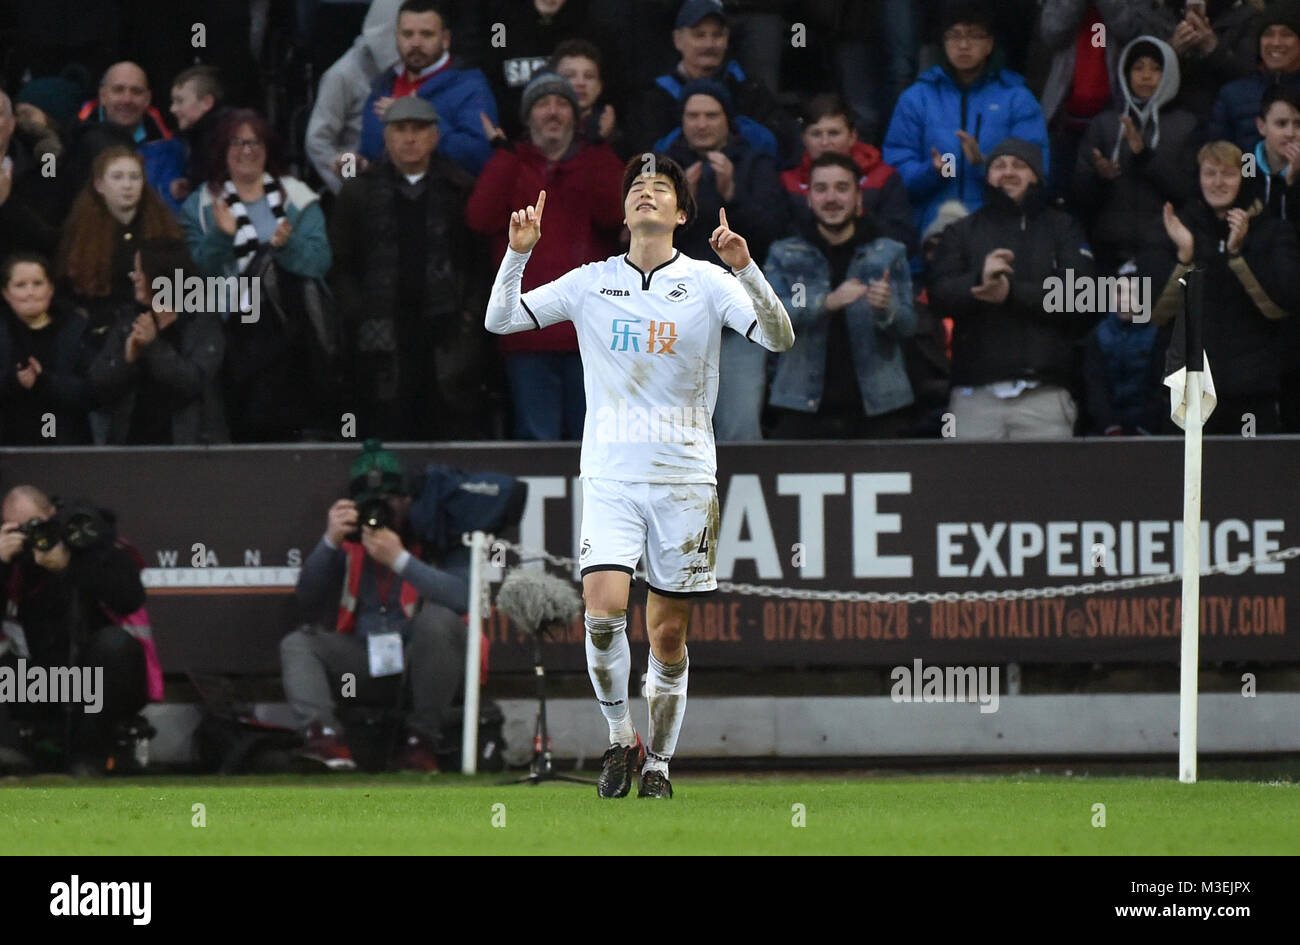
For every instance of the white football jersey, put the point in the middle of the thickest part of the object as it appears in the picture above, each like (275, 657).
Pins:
(650, 344)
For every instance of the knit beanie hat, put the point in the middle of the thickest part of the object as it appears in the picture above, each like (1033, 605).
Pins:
(376, 471)
(1282, 13)
(713, 89)
(1027, 151)
(56, 96)
(543, 84)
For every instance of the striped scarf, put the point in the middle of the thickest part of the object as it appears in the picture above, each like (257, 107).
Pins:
(246, 241)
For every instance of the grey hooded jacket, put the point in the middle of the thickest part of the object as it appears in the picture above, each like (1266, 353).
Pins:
(335, 123)
(1127, 220)
(1059, 24)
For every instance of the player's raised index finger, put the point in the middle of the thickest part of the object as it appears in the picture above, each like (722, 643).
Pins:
(541, 202)
(722, 216)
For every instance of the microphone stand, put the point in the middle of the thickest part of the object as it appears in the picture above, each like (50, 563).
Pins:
(541, 769)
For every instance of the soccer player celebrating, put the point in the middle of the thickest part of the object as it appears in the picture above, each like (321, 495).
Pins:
(649, 326)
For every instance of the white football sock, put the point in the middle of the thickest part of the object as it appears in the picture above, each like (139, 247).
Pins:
(666, 693)
(609, 662)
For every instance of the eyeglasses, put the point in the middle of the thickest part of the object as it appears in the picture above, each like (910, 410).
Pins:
(961, 36)
(251, 144)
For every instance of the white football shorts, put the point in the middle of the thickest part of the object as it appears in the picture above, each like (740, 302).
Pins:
(674, 525)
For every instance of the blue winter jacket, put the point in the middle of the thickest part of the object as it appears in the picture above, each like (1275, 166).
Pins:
(875, 334)
(1237, 107)
(458, 95)
(997, 106)
(1123, 364)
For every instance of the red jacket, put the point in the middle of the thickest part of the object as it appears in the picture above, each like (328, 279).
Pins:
(874, 170)
(884, 197)
(584, 212)
(347, 615)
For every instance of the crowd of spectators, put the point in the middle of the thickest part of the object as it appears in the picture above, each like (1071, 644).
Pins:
(942, 192)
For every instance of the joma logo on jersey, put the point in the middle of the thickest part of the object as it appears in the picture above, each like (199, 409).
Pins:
(621, 293)
(660, 340)
(678, 294)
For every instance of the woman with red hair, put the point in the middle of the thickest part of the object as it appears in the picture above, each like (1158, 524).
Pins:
(114, 212)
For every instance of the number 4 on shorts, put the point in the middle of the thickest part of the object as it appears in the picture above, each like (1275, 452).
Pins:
(704, 542)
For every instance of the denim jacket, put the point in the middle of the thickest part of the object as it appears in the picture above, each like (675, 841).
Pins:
(876, 334)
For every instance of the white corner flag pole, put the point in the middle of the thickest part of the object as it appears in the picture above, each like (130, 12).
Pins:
(1190, 661)
(473, 653)
(1190, 656)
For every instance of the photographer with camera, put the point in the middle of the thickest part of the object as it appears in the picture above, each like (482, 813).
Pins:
(72, 598)
(397, 618)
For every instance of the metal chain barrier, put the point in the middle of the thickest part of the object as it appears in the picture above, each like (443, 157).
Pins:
(930, 597)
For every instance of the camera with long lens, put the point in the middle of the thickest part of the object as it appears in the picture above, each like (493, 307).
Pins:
(373, 512)
(78, 525)
(83, 528)
(41, 534)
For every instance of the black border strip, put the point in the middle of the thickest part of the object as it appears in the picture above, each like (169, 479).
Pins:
(663, 593)
(607, 567)
(530, 313)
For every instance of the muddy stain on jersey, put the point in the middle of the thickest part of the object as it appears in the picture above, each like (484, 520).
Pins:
(640, 372)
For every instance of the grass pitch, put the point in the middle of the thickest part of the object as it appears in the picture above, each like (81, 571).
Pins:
(740, 814)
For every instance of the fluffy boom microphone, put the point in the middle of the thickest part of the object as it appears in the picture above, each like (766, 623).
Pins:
(538, 602)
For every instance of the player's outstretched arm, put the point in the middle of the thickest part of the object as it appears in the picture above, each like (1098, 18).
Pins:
(505, 313)
(773, 319)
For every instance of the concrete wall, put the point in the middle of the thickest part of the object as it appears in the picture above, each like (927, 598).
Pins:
(1034, 726)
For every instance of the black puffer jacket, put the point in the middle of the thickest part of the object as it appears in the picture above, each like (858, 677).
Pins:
(190, 373)
(1237, 26)
(1018, 338)
(758, 209)
(30, 217)
(1245, 299)
(659, 111)
(61, 388)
